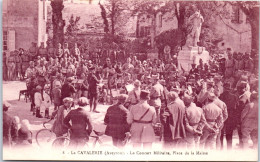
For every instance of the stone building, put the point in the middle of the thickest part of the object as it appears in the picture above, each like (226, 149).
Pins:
(24, 22)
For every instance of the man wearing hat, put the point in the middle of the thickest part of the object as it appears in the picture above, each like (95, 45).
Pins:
(223, 108)
(30, 71)
(177, 110)
(249, 122)
(134, 95)
(9, 126)
(58, 126)
(155, 94)
(116, 122)
(243, 97)
(93, 89)
(141, 118)
(214, 120)
(194, 121)
(81, 126)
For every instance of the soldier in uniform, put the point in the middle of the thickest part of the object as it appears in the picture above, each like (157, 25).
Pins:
(155, 94)
(231, 122)
(30, 71)
(229, 66)
(25, 63)
(214, 120)
(223, 107)
(243, 97)
(18, 65)
(141, 118)
(43, 51)
(33, 51)
(249, 64)
(249, 122)
(5, 70)
(51, 51)
(194, 121)
(11, 66)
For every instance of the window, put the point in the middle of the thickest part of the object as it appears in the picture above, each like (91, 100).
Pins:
(5, 40)
(237, 16)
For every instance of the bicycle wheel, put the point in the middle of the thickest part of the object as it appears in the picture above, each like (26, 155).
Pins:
(45, 137)
(61, 142)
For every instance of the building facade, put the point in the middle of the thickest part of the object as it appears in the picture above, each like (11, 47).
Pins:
(235, 30)
(24, 22)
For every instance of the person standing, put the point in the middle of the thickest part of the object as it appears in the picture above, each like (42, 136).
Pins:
(116, 122)
(249, 122)
(223, 108)
(56, 92)
(214, 120)
(43, 51)
(81, 126)
(58, 126)
(231, 122)
(68, 90)
(38, 99)
(141, 118)
(11, 66)
(177, 110)
(194, 122)
(155, 94)
(134, 95)
(5, 66)
(93, 89)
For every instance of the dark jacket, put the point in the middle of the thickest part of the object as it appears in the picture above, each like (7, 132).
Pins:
(81, 123)
(9, 130)
(230, 100)
(115, 120)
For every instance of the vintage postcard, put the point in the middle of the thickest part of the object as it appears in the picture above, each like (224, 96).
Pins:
(152, 80)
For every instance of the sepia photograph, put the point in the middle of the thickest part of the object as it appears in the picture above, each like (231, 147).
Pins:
(150, 80)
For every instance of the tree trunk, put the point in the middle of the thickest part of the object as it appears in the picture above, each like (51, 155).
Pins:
(113, 19)
(153, 31)
(57, 22)
(255, 34)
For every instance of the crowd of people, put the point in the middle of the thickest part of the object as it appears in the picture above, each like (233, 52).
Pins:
(185, 109)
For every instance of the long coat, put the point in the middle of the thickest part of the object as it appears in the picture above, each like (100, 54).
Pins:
(115, 120)
(58, 126)
(142, 132)
(177, 109)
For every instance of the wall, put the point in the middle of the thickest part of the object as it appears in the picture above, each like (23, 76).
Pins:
(21, 16)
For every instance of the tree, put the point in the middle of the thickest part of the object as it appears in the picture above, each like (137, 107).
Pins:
(115, 15)
(73, 26)
(251, 10)
(57, 22)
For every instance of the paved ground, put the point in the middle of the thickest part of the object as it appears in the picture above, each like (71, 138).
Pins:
(22, 110)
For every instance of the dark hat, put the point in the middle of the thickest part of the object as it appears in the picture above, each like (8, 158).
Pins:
(144, 95)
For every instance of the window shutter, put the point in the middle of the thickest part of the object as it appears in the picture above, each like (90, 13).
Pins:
(11, 40)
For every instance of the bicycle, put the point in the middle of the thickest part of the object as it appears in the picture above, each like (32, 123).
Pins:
(64, 141)
(45, 136)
